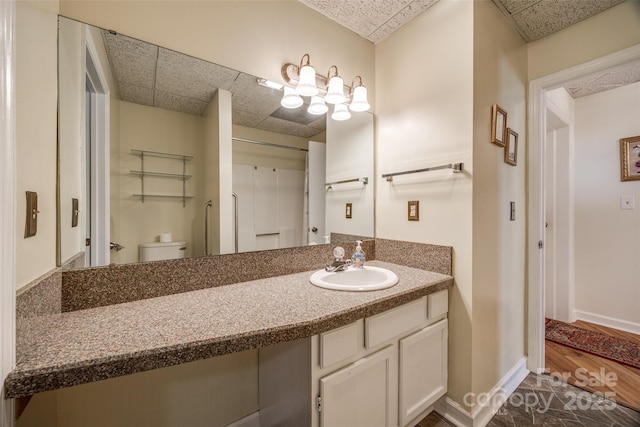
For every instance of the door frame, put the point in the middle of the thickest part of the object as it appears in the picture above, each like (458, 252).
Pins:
(7, 200)
(100, 156)
(537, 125)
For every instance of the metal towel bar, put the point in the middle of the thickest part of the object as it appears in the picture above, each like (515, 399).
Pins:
(457, 168)
(364, 180)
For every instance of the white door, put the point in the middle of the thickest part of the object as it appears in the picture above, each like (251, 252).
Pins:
(317, 172)
(423, 370)
(362, 394)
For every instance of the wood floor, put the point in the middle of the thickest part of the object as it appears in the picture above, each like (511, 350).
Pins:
(601, 375)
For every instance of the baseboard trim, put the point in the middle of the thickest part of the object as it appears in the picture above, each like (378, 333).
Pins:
(251, 420)
(610, 322)
(480, 415)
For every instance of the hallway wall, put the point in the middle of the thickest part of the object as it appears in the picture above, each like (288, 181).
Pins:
(607, 253)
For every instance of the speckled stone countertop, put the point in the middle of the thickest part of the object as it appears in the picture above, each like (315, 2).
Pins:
(67, 349)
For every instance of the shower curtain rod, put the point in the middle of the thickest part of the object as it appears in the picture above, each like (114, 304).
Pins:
(270, 144)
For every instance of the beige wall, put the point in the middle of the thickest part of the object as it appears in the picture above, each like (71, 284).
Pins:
(500, 76)
(36, 106)
(610, 31)
(155, 129)
(606, 237)
(425, 118)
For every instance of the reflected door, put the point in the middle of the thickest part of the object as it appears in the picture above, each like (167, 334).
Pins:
(317, 172)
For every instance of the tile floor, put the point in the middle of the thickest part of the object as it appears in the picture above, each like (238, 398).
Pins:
(543, 401)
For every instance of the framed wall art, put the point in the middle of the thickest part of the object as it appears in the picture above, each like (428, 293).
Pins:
(630, 158)
(498, 125)
(511, 148)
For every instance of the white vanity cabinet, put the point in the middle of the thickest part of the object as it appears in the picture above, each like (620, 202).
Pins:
(386, 370)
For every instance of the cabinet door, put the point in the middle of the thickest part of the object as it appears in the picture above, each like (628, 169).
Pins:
(363, 394)
(423, 370)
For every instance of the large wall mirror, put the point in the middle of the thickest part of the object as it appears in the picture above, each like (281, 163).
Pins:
(161, 153)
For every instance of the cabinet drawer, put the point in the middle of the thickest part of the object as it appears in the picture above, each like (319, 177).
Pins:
(339, 344)
(438, 304)
(385, 326)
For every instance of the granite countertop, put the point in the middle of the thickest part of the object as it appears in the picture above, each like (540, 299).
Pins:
(78, 347)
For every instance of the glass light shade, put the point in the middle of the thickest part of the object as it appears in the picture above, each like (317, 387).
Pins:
(307, 84)
(290, 99)
(340, 112)
(359, 102)
(317, 106)
(335, 92)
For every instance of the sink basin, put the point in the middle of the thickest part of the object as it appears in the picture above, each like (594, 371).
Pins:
(355, 279)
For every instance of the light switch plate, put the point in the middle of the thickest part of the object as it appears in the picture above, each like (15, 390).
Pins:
(74, 212)
(413, 210)
(512, 214)
(627, 202)
(31, 222)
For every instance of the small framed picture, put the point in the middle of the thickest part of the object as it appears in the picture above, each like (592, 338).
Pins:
(347, 210)
(511, 149)
(413, 210)
(630, 158)
(498, 125)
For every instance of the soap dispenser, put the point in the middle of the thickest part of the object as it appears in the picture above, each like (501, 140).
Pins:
(358, 257)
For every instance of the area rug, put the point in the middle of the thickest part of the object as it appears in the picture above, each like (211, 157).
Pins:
(596, 343)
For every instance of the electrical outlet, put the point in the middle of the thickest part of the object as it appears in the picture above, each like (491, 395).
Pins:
(627, 202)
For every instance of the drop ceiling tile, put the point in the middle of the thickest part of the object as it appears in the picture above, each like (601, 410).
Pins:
(361, 16)
(136, 94)
(405, 15)
(120, 43)
(274, 124)
(245, 118)
(191, 77)
(549, 16)
(133, 61)
(592, 90)
(248, 95)
(515, 6)
(178, 103)
(320, 123)
(605, 80)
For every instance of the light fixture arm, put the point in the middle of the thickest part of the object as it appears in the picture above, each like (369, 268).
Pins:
(353, 82)
(291, 76)
(305, 63)
(329, 75)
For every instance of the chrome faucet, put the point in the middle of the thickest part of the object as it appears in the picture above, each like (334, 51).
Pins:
(340, 264)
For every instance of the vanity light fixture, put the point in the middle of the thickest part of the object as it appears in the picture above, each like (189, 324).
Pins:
(335, 92)
(291, 99)
(359, 99)
(323, 90)
(307, 83)
(317, 106)
(340, 112)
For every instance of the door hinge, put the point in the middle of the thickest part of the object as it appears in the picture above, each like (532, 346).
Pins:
(319, 403)
(540, 244)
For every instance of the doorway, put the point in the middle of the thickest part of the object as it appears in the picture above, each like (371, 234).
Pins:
(538, 240)
(97, 153)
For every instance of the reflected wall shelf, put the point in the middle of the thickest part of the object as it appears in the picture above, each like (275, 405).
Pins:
(143, 173)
